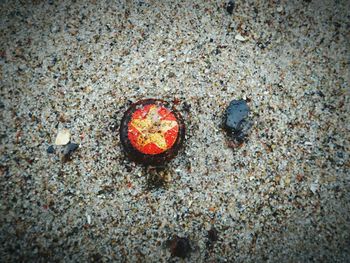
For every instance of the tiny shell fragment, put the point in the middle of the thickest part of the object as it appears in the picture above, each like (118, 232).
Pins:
(63, 137)
(240, 38)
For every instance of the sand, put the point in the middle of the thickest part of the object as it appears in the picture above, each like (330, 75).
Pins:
(282, 196)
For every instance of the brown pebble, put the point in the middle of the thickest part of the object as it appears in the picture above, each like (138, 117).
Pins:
(180, 247)
(213, 235)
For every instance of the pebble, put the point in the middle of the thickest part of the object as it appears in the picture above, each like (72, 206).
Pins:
(239, 37)
(54, 29)
(70, 148)
(180, 247)
(51, 149)
(237, 123)
(88, 219)
(236, 112)
(213, 235)
(63, 137)
(212, 238)
(230, 6)
(314, 187)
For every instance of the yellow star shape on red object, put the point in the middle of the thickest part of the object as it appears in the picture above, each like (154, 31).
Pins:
(153, 129)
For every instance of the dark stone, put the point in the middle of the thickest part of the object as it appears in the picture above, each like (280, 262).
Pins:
(217, 51)
(213, 235)
(155, 178)
(180, 247)
(237, 122)
(236, 112)
(68, 150)
(51, 149)
(230, 6)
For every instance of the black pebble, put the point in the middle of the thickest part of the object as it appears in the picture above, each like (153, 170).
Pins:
(51, 149)
(230, 6)
(70, 148)
(237, 122)
(236, 112)
(180, 247)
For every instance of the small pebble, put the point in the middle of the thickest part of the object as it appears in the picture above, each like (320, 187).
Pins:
(54, 29)
(70, 148)
(88, 219)
(236, 112)
(51, 149)
(314, 187)
(237, 123)
(239, 37)
(213, 235)
(180, 247)
(63, 137)
(230, 6)
(171, 75)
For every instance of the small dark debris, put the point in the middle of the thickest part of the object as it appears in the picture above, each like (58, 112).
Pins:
(216, 51)
(155, 177)
(186, 106)
(4, 170)
(106, 189)
(97, 257)
(230, 7)
(213, 235)
(262, 45)
(176, 101)
(30, 161)
(51, 149)
(179, 247)
(337, 25)
(171, 75)
(212, 238)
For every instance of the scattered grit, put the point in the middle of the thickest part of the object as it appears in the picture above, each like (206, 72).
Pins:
(283, 195)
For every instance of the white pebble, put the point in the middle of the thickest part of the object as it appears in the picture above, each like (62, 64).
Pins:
(63, 137)
(314, 187)
(239, 37)
(88, 218)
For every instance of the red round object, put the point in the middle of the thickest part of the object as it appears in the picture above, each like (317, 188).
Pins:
(151, 131)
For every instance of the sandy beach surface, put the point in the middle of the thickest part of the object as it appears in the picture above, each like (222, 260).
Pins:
(282, 196)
